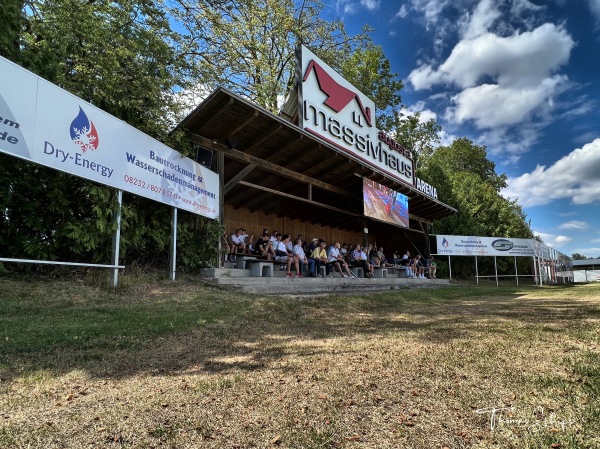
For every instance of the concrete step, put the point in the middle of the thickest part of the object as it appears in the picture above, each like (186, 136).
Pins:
(279, 284)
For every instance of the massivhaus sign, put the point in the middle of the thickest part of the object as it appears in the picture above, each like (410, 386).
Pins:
(45, 124)
(334, 110)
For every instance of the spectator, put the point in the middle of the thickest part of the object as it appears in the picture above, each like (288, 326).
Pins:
(299, 259)
(410, 268)
(236, 245)
(397, 258)
(373, 257)
(360, 260)
(312, 245)
(281, 252)
(406, 258)
(344, 251)
(335, 260)
(264, 247)
(226, 248)
(319, 255)
(419, 269)
(382, 258)
(248, 249)
(432, 267)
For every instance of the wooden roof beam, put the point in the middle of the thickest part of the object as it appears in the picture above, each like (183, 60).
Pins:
(265, 165)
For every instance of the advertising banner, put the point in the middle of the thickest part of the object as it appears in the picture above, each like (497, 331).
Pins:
(45, 124)
(334, 110)
(461, 245)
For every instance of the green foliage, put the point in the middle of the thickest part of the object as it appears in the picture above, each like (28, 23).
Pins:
(577, 256)
(420, 138)
(11, 18)
(467, 180)
(124, 58)
(368, 69)
(249, 47)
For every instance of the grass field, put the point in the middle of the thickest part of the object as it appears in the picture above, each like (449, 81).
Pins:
(185, 365)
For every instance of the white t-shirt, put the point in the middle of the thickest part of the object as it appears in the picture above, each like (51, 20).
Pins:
(281, 247)
(237, 239)
(299, 252)
(333, 254)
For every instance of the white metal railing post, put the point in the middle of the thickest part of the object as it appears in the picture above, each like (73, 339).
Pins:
(173, 245)
(496, 270)
(116, 243)
(516, 273)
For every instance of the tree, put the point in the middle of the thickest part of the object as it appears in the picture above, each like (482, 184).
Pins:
(12, 20)
(122, 57)
(368, 70)
(249, 47)
(469, 183)
(421, 138)
(577, 256)
(463, 156)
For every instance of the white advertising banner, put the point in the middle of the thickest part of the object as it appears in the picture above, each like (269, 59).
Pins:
(462, 245)
(45, 124)
(334, 110)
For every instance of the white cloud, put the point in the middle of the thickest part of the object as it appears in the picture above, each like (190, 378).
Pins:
(595, 9)
(431, 9)
(402, 13)
(553, 240)
(419, 107)
(492, 105)
(521, 6)
(482, 19)
(370, 4)
(576, 176)
(507, 85)
(345, 6)
(521, 60)
(575, 225)
(352, 6)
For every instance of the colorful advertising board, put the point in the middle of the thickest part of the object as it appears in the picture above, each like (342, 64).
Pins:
(45, 124)
(382, 203)
(334, 110)
(463, 245)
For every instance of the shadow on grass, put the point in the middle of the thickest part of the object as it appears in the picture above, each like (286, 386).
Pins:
(166, 328)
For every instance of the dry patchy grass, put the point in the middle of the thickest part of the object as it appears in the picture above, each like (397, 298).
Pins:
(198, 367)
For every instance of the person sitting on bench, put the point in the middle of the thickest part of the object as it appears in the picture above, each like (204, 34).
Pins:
(264, 247)
(319, 255)
(335, 260)
(360, 260)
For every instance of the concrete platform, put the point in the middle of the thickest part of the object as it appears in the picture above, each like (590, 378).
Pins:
(278, 284)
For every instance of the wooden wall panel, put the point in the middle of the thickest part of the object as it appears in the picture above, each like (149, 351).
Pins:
(255, 222)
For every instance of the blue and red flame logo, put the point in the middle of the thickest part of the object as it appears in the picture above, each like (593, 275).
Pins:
(84, 133)
(445, 243)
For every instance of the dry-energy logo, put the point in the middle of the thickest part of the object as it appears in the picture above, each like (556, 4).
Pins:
(84, 133)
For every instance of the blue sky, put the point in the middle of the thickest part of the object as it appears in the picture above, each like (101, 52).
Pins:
(519, 77)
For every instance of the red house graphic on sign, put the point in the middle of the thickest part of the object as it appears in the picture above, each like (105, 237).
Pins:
(338, 96)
